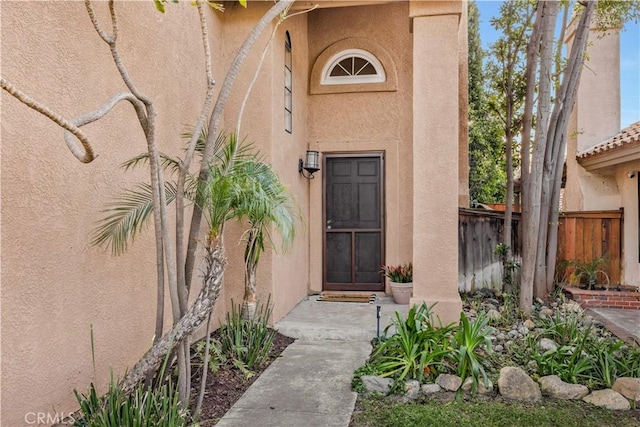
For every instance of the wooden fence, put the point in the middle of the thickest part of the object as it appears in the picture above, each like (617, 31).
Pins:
(585, 236)
(479, 232)
(582, 236)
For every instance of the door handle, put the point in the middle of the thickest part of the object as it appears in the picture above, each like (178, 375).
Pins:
(328, 224)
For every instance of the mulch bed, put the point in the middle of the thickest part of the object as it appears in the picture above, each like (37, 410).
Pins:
(228, 384)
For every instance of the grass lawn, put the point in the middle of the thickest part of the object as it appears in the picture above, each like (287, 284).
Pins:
(380, 412)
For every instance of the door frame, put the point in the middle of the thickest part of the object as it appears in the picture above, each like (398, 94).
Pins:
(383, 214)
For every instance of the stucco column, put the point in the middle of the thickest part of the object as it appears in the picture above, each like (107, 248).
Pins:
(435, 164)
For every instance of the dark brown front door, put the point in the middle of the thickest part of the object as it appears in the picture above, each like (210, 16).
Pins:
(354, 232)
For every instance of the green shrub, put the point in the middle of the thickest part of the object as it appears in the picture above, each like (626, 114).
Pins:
(582, 357)
(216, 356)
(144, 407)
(467, 345)
(247, 342)
(418, 349)
(564, 329)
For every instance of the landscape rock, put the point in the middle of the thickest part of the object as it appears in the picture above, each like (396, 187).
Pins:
(375, 384)
(628, 387)
(529, 324)
(492, 301)
(493, 314)
(498, 348)
(412, 391)
(545, 313)
(514, 383)
(467, 386)
(449, 382)
(523, 330)
(609, 399)
(430, 388)
(572, 307)
(546, 344)
(553, 386)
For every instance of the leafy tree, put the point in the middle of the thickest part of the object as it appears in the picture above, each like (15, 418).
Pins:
(507, 89)
(486, 161)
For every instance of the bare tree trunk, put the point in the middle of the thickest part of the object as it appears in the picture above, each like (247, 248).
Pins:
(157, 186)
(526, 279)
(193, 318)
(184, 355)
(196, 218)
(564, 104)
(508, 210)
(205, 370)
(531, 215)
(249, 301)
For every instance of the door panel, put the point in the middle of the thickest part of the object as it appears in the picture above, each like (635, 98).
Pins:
(368, 260)
(339, 257)
(354, 235)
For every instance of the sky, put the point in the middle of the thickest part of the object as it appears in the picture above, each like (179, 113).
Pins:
(629, 59)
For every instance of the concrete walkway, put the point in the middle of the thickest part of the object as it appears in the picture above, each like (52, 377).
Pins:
(310, 384)
(623, 323)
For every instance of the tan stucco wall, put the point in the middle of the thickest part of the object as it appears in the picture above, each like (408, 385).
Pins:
(463, 109)
(435, 144)
(283, 276)
(290, 270)
(629, 195)
(365, 121)
(54, 284)
(595, 117)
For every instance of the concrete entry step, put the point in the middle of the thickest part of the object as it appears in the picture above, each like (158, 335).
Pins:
(342, 321)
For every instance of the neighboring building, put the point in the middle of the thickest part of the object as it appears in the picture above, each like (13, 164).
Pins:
(603, 162)
(378, 88)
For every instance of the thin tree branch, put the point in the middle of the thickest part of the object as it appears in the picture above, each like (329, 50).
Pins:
(214, 122)
(115, 53)
(85, 153)
(103, 35)
(184, 280)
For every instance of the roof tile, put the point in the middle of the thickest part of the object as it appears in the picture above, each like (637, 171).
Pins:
(627, 136)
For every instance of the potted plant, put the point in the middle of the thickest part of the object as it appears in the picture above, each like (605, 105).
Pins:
(586, 274)
(401, 281)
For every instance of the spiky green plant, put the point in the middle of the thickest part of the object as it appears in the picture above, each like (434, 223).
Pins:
(467, 348)
(417, 350)
(247, 342)
(144, 407)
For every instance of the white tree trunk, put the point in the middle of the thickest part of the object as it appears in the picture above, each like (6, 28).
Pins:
(531, 215)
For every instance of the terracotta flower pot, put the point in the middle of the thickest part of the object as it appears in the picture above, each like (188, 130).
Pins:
(401, 292)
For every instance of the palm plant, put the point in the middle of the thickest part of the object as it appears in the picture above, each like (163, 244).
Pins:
(241, 186)
(270, 208)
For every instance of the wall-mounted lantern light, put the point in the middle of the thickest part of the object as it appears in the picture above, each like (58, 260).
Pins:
(310, 164)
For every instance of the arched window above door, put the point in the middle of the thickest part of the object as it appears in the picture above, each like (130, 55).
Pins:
(353, 66)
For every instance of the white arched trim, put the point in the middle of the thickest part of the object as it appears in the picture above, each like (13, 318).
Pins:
(382, 75)
(352, 66)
